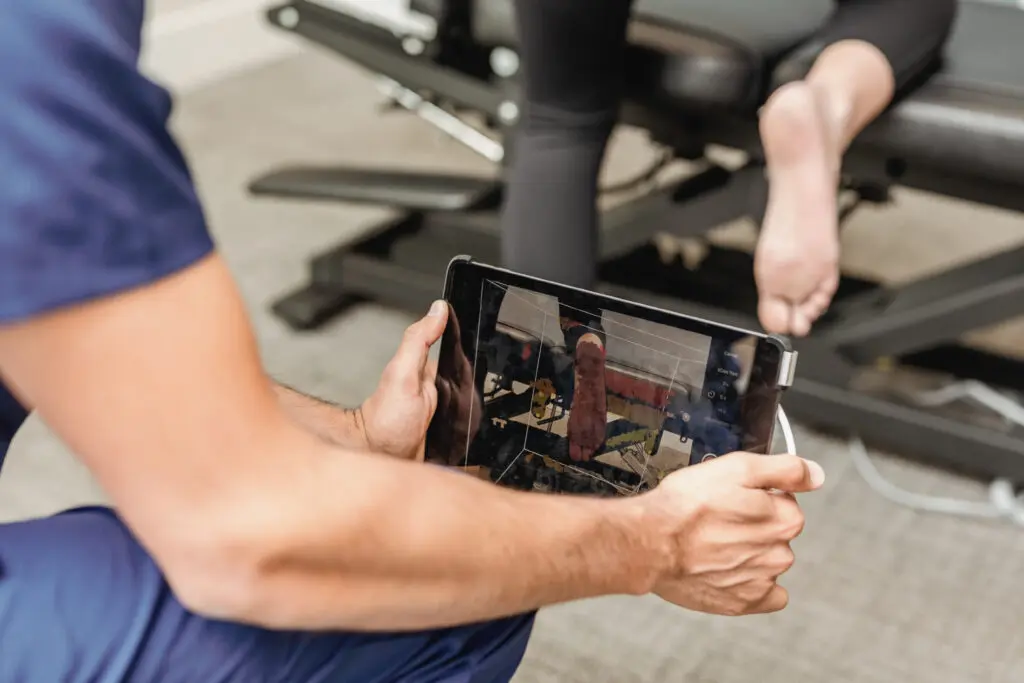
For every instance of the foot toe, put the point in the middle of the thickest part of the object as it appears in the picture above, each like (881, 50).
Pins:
(818, 303)
(801, 323)
(774, 313)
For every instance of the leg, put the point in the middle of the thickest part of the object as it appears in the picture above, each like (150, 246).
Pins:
(81, 601)
(588, 416)
(572, 70)
(572, 58)
(873, 49)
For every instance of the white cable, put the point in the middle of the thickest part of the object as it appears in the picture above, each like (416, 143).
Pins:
(787, 431)
(1003, 502)
(984, 395)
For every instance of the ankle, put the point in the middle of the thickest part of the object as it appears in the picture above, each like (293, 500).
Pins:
(835, 109)
(855, 82)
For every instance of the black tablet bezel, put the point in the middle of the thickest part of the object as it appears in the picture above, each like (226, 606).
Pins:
(463, 287)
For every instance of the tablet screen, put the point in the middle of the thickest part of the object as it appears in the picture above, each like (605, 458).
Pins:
(554, 389)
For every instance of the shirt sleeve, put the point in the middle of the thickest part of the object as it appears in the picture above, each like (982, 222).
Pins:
(95, 195)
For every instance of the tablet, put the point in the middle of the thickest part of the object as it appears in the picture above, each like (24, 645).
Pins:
(551, 388)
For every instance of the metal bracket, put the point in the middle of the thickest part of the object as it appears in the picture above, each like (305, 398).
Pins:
(443, 120)
(787, 368)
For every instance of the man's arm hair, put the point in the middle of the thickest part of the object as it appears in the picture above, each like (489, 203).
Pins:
(336, 425)
(254, 519)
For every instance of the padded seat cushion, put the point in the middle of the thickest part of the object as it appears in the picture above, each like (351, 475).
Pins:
(764, 29)
(692, 54)
(969, 117)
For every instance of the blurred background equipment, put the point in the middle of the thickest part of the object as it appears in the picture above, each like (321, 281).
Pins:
(696, 77)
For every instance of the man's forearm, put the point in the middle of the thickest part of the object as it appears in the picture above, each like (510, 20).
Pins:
(368, 543)
(334, 424)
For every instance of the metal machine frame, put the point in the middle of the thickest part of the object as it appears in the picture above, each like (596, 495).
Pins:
(402, 262)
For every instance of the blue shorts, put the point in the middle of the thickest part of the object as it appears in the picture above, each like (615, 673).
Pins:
(80, 601)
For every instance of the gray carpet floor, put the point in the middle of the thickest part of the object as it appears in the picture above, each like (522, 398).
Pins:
(879, 593)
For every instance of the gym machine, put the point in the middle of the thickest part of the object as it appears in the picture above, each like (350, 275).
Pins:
(696, 81)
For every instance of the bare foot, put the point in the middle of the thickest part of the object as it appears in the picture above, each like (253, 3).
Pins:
(588, 416)
(796, 264)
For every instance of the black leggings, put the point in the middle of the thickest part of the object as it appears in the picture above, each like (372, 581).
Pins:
(572, 60)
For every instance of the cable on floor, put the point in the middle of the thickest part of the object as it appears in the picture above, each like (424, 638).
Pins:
(1003, 503)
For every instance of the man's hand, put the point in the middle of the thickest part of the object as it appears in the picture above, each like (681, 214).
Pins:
(395, 418)
(727, 525)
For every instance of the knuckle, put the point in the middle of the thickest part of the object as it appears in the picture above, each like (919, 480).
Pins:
(412, 333)
(780, 601)
(783, 559)
(790, 466)
(792, 521)
(797, 468)
(753, 594)
(735, 609)
(751, 466)
(732, 602)
(743, 464)
(764, 590)
(797, 525)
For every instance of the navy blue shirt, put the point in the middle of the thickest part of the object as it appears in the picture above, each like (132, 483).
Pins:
(95, 196)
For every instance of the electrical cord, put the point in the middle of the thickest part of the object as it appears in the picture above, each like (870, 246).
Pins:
(787, 431)
(1003, 503)
(1001, 404)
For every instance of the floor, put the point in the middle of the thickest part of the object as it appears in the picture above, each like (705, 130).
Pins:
(879, 593)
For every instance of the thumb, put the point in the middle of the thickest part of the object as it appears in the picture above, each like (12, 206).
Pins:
(430, 372)
(789, 473)
(410, 361)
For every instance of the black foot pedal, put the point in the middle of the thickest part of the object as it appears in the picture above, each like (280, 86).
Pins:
(414, 191)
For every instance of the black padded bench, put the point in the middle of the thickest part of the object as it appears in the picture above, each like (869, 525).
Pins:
(698, 71)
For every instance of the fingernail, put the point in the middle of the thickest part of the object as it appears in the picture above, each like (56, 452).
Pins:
(817, 473)
(437, 309)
